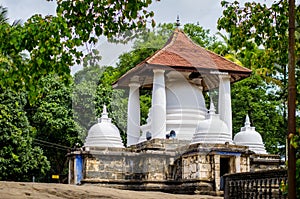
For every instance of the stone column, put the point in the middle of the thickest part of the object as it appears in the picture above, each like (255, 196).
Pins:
(217, 171)
(248, 164)
(75, 170)
(225, 101)
(133, 117)
(238, 164)
(70, 170)
(158, 124)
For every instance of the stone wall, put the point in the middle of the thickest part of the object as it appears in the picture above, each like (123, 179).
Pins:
(261, 162)
(150, 166)
(197, 166)
(166, 165)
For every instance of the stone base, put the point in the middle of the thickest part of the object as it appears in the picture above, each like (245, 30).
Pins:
(176, 187)
(166, 165)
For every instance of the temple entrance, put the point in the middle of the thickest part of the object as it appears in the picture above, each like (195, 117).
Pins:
(224, 166)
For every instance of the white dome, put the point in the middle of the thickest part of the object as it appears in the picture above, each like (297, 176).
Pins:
(212, 130)
(251, 138)
(104, 133)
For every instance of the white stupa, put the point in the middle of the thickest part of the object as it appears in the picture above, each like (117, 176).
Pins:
(185, 105)
(251, 138)
(182, 112)
(212, 130)
(104, 133)
(178, 74)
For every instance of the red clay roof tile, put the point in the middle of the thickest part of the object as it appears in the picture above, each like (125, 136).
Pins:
(181, 53)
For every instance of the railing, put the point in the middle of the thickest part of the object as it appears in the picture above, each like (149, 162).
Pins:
(260, 184)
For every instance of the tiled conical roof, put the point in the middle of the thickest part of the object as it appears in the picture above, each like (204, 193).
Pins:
(182, 54)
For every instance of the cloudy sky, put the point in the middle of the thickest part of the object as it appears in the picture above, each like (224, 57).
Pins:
(206, 12)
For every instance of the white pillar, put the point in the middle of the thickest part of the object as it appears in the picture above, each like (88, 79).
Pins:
(158, 124)
(133, 117)
(225, 101)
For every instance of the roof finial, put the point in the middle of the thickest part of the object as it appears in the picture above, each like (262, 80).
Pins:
(177, 22)
(247, 121)
(104, 113)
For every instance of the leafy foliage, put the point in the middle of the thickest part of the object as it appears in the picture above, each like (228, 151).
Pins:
(36, 57)
(46, 41)
(54, 121)
(84, 95)
(266, 26)
(251, 96)
(199, 35)
(19, 158)
(256, 25)
(90, 19)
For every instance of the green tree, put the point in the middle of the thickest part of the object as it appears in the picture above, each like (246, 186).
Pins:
(52, 41)
(84, 95)
(252, 96)
(90, 19)
(20, 158)
(3, 15)
(200, 35)
(266, 27)
(53, 119)
(256, 22)
(41, 46)
(259, 34)
(48, 49)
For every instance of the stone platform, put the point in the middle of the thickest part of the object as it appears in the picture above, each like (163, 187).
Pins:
(167, 165)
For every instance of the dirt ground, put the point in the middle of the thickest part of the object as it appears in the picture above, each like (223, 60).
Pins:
(18, 190)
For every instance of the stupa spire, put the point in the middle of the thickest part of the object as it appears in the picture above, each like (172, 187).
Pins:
(247, 121)
(104, 115)
(212, 109)
(104, 112)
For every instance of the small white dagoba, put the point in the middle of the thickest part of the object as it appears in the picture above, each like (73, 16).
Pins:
(104, 133)
(212, 130)
(251, 138)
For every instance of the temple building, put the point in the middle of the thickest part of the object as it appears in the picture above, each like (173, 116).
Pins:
(185, 146)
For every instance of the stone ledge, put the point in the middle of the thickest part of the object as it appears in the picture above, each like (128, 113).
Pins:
(178, 187)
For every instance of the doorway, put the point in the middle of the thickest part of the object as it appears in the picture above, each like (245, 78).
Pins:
(224, 166)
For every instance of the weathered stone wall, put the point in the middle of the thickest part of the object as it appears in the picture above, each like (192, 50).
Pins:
(261, 162)
(245, 164)
(104, 167)
(168, 165)
(197, 166)
(150, 166)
